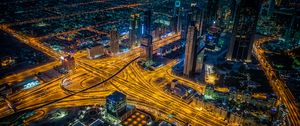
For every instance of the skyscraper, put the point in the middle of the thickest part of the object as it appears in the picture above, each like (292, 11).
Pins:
(116, 104)
(198, 15)
(190, 51)
(199, 60)
(134, 29)
(147, 21)
(244, 30)
(147, 43)
(188, 17)
(195, 13)
(114, 41)
(212, 9)
(176, 17)
(147, 38)
(225, 12)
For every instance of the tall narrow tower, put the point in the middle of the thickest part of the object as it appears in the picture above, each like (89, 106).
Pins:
(176, 17)
(212, 8)
(114, 41)
(147, 43)
(190, 51)
(244, 30)
(133, 30)
(147, 38)
(147, 21)
(188, 17)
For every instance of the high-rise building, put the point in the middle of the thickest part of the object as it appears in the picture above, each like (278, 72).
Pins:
(225, 13)
(176, 17)
(244, 30)
(195, 13)
(147, 22)
(134, 33)
(212, 9)
(190, 51)
(147, 38)
(267, 8)
(114, 41)
(147, 43)
(199, 60)
(198, 15)
(188, 17)
(116, 104)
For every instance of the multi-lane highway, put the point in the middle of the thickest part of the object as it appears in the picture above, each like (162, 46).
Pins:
(278, 85)
(95, 79)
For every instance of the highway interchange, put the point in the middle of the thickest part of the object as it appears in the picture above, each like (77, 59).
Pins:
(93, 80)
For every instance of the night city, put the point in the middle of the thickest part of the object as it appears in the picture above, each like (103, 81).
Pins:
(150, 63)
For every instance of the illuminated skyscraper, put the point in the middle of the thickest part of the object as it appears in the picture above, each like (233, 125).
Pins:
(225, 13)
(147, 43)
(188, 16)
(190, 51)
(199, 60)
(176, 17)
(116, 104)
(134, 29)
(244, 30)
(114, 41)
(194, 13)
(198, 13)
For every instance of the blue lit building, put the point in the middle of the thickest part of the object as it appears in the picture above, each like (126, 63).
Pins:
(116, 104)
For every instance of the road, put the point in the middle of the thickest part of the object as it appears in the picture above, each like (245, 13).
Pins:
(277, 84)
(95, 79)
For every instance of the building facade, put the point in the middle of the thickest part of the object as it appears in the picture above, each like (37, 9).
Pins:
(244, 31)
(134, 33)
(114, 41)
(147, 43)
(190, 51)
(116, 104)
(95, 52)
(176, 17)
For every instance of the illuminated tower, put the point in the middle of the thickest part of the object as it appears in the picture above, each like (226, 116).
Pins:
(133, 30)
(188, 16)
(114, 41)
(176, 17)
(190, 51)
(244, 30)
(197, 13)
(194, 13)
(199, 60)
(147, 38)
(147, 43)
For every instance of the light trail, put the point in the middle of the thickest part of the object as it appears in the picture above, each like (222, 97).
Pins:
(276, 82)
